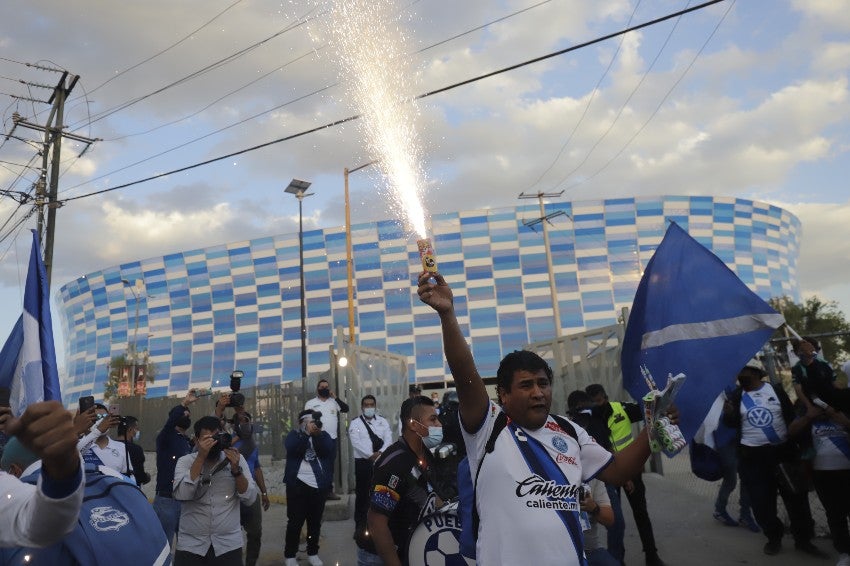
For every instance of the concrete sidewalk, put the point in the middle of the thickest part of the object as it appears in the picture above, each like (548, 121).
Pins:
(685, 531)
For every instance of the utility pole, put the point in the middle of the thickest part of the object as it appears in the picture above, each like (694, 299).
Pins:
(545, 219)
(47, 187)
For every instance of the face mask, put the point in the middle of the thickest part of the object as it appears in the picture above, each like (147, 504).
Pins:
(324, 393)
(434, 438)
(137, 435)
(369, 412)
(184, 422)
(245, 430)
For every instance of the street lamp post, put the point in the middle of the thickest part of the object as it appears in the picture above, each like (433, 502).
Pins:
(348, 251)
(134, 289)
(299, 189)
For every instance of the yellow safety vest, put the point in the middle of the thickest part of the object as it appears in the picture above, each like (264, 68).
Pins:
(620, 426)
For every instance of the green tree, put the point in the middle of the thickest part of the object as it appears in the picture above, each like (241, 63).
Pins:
(117, 364)
(817, 317)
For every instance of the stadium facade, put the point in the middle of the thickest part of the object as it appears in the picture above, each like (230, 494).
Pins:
(204, 312)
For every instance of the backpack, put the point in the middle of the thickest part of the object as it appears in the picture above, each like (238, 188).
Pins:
(705, 461)
(116, 525)
(467, 488)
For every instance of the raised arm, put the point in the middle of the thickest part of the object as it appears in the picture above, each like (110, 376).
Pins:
(472, 396)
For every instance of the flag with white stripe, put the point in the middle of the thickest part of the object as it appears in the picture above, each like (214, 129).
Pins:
(28, 359)
(692, 314)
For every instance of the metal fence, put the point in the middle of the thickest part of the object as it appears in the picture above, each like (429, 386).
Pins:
(275, 407)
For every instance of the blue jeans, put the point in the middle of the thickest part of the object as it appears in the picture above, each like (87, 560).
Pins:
(366, 558)
(729, 459)
(168, 512)
(617, 531)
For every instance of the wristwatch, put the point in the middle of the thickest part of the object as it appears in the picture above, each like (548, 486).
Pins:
(237, 472)
(595, 510)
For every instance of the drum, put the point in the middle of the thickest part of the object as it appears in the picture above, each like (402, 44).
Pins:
(434, 541)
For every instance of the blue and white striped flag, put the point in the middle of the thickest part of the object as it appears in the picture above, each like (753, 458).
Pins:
(693, 315)
(28, 359)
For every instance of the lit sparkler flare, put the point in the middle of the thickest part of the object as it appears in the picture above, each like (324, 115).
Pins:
(370, 48)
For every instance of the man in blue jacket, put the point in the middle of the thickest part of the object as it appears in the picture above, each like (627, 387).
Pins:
(172, 443)
(308, 478)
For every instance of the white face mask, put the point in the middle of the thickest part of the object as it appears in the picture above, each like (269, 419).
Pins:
(137, 435)
(369, 412)
(434, 438)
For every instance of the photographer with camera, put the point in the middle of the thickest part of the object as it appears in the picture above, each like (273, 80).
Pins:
(211, 483)
(110, 456)
(233, 399)
(307, 480)
(329, 406)
(172, 443)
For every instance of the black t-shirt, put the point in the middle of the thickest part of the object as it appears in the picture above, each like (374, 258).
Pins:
(401, 488)
(815, 378)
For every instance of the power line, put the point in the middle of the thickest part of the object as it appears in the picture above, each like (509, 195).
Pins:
(219, 99)
(624, 105)
(660, 104)
(212, 66)
(421, 96)
(169, 150)
(165, 50)
(112, 172)
(589, 102)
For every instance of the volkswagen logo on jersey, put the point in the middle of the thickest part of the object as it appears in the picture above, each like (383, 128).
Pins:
(560, 444)
(108, 519)
(760, 417)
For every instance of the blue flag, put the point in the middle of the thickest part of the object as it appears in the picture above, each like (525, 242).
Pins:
(28, 359)
(693, 315)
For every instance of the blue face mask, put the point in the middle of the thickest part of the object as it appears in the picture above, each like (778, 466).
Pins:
(434, 438)
(369, 412)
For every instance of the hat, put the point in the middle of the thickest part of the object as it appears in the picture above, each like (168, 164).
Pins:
(16, 453)
(756, 364)
(414, 388)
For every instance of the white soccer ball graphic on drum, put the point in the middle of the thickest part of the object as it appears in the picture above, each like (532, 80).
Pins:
(435, 540)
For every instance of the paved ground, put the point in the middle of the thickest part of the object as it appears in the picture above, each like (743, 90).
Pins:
(686, 533)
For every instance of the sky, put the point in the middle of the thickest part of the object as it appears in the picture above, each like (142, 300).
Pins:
(746, 99)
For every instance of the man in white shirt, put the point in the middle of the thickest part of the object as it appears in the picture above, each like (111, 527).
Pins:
(37, 516)
(528, 488)
(327, 403)
(211, 483)
(98, 449)
(370, 435)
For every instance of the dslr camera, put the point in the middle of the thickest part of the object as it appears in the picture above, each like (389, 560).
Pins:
(224, 439)
(236, 399)
(317, 420)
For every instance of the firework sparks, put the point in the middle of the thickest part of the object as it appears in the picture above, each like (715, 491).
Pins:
(370, 46)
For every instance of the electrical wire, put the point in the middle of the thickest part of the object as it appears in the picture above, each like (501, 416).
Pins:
(586, 106)
(421, 96)
(624, 105)
(660, 104)
(165, 50)
(219, 99)
(212, 66)
(182, 145)
(112, 172)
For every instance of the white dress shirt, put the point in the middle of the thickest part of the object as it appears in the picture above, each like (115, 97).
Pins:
(330, 413)
(361, 442)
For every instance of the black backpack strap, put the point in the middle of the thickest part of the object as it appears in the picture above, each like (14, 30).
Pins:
(498, 426)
